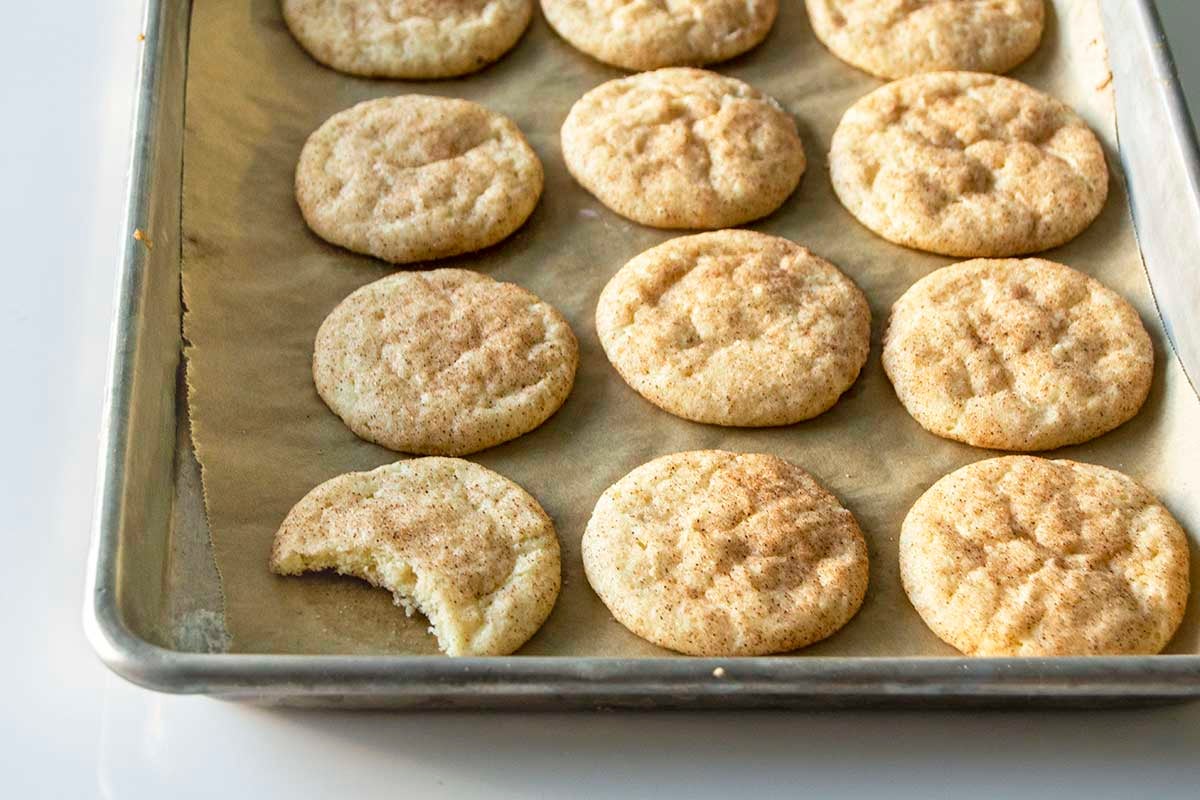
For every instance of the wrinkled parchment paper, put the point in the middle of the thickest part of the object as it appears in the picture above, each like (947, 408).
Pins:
(257, 284)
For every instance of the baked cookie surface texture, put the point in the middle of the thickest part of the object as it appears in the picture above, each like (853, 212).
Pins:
(464, 546)
(1022, 556)
(1017, 354)
(412, 39)
(444, 362)
(897, 38)
(413, 178)
(649, 34)
(735, 328)
(712, 553)
(967, 164)
(683, 148)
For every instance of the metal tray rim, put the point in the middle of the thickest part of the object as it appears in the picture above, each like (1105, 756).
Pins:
(511, 681)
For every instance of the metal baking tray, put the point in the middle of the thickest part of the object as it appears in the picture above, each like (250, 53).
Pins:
(145, 437)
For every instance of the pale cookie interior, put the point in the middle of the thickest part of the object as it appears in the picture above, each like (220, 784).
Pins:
(413, 178)
(462, 545)
(735, 328)
(407, 38)
(1021, 556)
(896, 39)
(716, 553)
(966, 164)
(1017, 354)
(444, 362)
(683, 148)
(647, 34)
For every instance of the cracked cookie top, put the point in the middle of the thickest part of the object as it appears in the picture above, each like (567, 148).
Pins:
(719, 554)
(413, 178)
(967, 164)
(735, 328)
(897, 38)
(1021, 556)
(648, 34)
(411, 39)
(444, 362)
(466, 547)
(683, 148)
(1017, 354)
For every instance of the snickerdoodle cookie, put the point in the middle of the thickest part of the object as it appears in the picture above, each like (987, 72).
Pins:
(735, 328)
(1021, 556)
(683, 148)
(643, 34)
(413, 178)
(720, 554)
(464, 546)
(968, 164)
(897, 39)
(444, 362)
(1017, 354)
(411, 39)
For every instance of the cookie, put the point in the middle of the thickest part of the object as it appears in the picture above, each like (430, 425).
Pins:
(414, 178)
(468, 548)
(445, 362)
(713, 553)
(640, 35)
(683, 148)
(1017, 354)
(411, 39)
(735, 328)
(967, 164)
(897, 39)
(1021, 556)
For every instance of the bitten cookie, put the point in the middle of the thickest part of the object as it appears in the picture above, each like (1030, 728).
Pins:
(967, 164)
(642, 35)
(407, 38)
(1021, 556)
(467, 548)
(896, 39)
(1017, 354)
(445, 362)
(735, 328)
(683, 148)
(725, 554)
(414, 178)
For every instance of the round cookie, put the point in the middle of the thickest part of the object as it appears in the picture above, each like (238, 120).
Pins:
(735, 328)
(683, 148)
(468, 548)
(713, 553)
(1017, 354)
(967, 164)
(411, 39)
(894, 40)
(445, 362)
(642, 35)
(1021, 556)
(414, 178)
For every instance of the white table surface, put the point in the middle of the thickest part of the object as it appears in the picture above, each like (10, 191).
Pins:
(70, 729)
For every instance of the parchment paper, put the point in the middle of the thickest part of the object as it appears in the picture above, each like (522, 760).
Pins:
(257, 284)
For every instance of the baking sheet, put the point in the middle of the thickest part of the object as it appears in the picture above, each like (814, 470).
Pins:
(257, 284)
